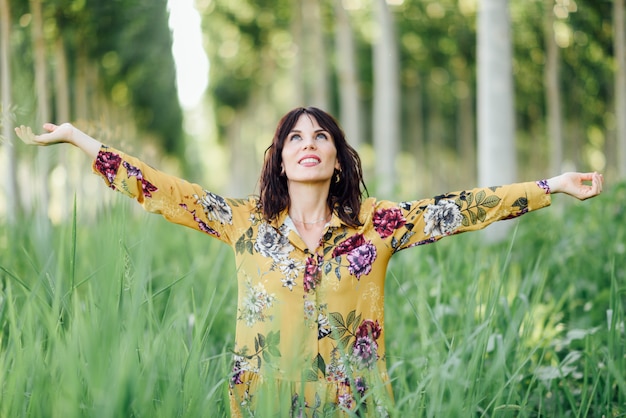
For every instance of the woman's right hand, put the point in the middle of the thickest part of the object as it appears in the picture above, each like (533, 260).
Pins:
(56, 134)
(59, 134)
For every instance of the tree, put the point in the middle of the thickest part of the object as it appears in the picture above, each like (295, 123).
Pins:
(386, 120)
(42, 89)
(553, 91)
(346, 64)
(6, 121)
(620, 82)
(496, 124)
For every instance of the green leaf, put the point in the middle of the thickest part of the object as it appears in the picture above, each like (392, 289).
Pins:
(472, 217)
(336, 320)
(249, 247)
(482, 214)
(338, 272)
(327, 268)
(310, 376)
(480, 196)
(491, 201)
(240, 245)
(320, 364)
(345, 341)
(250, 232)
(273, 350)
(261, 339)
(356, 324)
(337, 333)
(350, 318)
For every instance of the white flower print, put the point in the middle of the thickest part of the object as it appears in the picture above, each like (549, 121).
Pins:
(255, 304)
(290, 268)
(309, 312)
(272, 243)
(215, 207)
(288, 282)
(444, 218)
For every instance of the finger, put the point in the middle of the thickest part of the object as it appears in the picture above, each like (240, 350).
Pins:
(25, 134)
(49, 126)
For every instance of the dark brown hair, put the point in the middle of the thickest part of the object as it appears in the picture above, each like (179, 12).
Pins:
(344, 195)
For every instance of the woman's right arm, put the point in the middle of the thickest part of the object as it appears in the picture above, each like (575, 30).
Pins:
(56, 134)
(175, 199)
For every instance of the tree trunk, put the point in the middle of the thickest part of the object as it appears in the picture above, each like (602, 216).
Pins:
(298, 68)
(386, 100)
(415, 134)
(620, 83)
(11, 193)
(496, 122)
(554, 119)
(349, 110)
(466, 129)
(44, 156)
(315, 55)
(61, 201)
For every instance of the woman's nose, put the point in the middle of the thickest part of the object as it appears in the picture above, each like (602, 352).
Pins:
(308, 144)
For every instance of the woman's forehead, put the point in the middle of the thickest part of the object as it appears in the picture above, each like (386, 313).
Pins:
(306, 121)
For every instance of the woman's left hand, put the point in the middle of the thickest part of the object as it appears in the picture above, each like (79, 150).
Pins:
(579, 185)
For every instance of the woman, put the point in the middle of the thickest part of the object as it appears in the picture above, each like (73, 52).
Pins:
(311, 257)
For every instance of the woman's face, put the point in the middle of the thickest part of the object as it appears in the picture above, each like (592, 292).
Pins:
(309, 154)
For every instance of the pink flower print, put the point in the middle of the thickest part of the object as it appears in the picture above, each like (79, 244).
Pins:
(107, 163)
(312, 273)
(361, 259)
(388, 220)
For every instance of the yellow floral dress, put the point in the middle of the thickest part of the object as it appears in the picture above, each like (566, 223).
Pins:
(310, 334)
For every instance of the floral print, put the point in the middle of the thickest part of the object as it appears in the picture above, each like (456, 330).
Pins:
(312, 273)
(311, 320)
(107, 163)
(386, 221)
(444, 218)
(255, 304)
(272, 243)
(215, 207)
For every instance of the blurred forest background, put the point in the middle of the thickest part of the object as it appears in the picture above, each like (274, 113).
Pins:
(435, 95)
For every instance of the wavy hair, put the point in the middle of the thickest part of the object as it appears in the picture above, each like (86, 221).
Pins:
(344, 196)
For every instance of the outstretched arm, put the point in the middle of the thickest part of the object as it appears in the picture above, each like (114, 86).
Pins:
(577, 184)
(65, 133)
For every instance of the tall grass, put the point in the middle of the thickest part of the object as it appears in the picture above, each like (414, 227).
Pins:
(132, 316)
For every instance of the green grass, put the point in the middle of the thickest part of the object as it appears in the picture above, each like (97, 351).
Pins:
(132, 316)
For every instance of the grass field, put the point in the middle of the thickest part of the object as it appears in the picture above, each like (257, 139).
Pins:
(134, 317)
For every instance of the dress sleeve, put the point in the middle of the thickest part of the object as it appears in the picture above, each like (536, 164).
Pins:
(408, 224)
(176, 199)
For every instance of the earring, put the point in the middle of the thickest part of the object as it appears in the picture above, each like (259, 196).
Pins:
(338, 177)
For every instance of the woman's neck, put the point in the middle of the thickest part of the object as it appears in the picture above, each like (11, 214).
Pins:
(308, 204)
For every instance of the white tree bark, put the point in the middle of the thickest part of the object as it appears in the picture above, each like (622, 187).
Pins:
(44, 156)
(620, 82)
(11, 196)
(386, 117)
(553, 91)
(496, 122)
(349, 109)
(315, 55)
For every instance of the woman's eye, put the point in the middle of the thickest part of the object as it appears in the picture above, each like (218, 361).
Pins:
(321, 136)
(295, 137)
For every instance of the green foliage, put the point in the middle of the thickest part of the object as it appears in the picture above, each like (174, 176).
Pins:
(135, 317)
